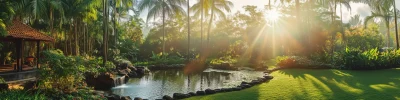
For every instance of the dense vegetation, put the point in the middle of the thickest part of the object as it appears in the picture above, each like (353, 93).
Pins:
(93, 36)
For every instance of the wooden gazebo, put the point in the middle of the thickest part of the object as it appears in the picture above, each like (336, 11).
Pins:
(19, 33)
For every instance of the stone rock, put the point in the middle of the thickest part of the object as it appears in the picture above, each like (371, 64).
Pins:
(103, 81)
(126, 98)
(209, 91)
(245, 82)
(140, 71)
(124, 72)
(3, 86)
(254, 82)
(167, 97)
(132, 68)
(201, 93)
(30, 85)
(137, 98)
(179, 96)
(126, 78)
(192, 94)
(217, 90)
(245, 85)
(237, 88)
(268, 77)
(133, 74)
(113, 97)
(187, 95)
(262, 80)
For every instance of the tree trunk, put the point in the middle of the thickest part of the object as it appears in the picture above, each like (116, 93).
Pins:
(105, 29)
(201, 28)
(76, 53)
(209, 25)
(388, 33)
(395, 23)
(163, 22)
(188, 23)
(341, 24)
(51, 24)
(70, 39)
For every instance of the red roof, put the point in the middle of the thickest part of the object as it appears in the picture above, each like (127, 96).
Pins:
(19, 30)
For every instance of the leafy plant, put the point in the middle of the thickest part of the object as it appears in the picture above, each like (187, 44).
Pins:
(2, 80)
(22, 95)
(65, 73)
(300, 62)
(355, 59)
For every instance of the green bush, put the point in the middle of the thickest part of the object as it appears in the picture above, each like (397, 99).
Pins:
(300, 62)
(22, 95)
(227, 59)
(157, 59)
(66, 73)
(2, 80)
(355, 59)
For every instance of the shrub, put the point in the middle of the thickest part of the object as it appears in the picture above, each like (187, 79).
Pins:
(22, 95)
(355, 59)
(157, 59)
(2, 80)
(300, 62)
(66, 73)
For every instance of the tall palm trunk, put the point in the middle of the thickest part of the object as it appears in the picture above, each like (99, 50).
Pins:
(395, 23)
(105, 29)
(201, 26)
(163, 22)
(209, 25)
(51, 25)
(388, 32)
(188, 23)
(298, 16)
(341, 24)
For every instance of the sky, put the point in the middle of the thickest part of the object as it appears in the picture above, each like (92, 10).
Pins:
(356, 8)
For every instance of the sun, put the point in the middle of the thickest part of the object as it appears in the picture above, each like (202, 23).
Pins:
(272, 15)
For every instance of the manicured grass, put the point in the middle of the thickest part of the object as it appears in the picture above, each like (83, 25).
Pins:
(330, 84)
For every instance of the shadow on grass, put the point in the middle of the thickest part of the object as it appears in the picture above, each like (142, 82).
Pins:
(346, 84)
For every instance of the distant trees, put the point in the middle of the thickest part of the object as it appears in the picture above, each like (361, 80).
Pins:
(163, 8)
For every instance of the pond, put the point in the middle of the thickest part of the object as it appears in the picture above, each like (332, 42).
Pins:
(167, 82)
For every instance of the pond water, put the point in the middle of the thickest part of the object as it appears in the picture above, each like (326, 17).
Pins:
(167, 82)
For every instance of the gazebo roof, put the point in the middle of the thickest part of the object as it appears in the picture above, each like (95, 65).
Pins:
(18, 30)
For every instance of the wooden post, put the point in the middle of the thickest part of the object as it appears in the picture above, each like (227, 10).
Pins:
(19, 55)
(37, 53)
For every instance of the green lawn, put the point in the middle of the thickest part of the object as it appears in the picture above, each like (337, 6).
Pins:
(321, 84)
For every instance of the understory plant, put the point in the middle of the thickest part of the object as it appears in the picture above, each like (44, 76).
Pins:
(159, 59)
(22, 95)
(66, 73)
(2, 80)
(355, 59)
(300, 62)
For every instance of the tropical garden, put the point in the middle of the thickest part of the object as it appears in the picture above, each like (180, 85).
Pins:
(202, 49)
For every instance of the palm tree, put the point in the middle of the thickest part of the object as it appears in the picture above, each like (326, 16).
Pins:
(162, 8)
(198, 9)
(188, 24)
(382, 10)
(395, 23)
(118, 7)
(105, 30)
(217, 7)
(346, 3)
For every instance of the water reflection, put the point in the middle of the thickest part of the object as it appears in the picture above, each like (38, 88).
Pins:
(167, 82)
